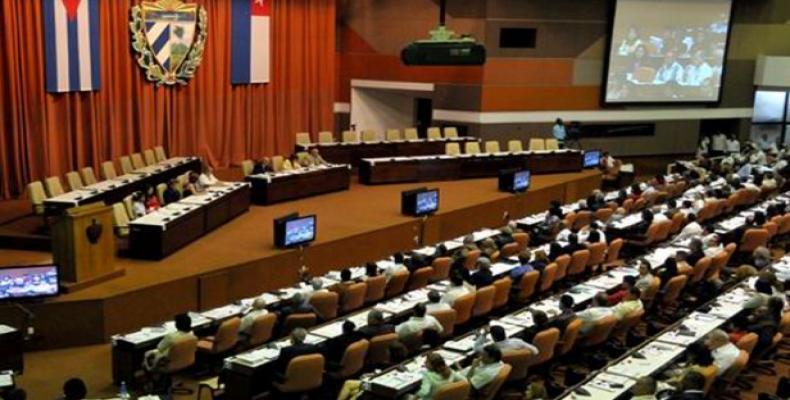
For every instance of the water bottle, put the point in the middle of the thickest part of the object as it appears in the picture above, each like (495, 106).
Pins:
(124, 392)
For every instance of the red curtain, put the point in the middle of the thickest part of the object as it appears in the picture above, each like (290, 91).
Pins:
(45, 134)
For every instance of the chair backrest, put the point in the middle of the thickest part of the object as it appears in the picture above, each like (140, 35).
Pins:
(613, 254)
(326, 137)
(441, 268)
(354, 297)
(74, 180)
(492, 146)
(503, 286)
(397, 283)
(604, 214)
(458, 390)
(463, 307)
(471, 259)
(664, 228)
(562, 262)
(369, 136)
(277, 163)
(35, 191)
(509, 250)
(545, 340)
(353, 359)
(247, 166)
(375, 288)
(181, 354)
(582, 219)
(304, 373)
(515, 146)
(160, 192)
(452, 149)
(678, 220)
(490, 391)
(420, 278)
(772, 228)
(522, 239)
(450, 132)
(784, 224)
(379, 349)
(547, 279)
(537, 144)
(350, 137)
(748, 342)
(649, 294)
(300, 320)
(108, 170)
(519, 360)
(88, 177)
(325, 304)
(410, 134)
(262, 329)
(149, 157)
(434, 133)
(552, 144)
(578, 264)
(120, 219)
(569, 337)
(528, 283)
(700, 269)
(673, 288)
(472, 148)
(484, 301)
(447, 319)
(137, 161)
(160, 154)
(735, 369)
(53, 185)
(227, 335)
(622, 328)
(126, 164)
(600, 331)
(597, 254)
(393, 135)
(303, 138)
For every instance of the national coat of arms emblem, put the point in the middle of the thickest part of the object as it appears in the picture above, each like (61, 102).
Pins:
(169, 37)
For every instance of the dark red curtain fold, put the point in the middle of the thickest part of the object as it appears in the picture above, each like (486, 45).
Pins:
(45, 134)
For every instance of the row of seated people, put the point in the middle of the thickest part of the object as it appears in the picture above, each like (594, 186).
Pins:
(53, 186)
(296, 161)
(492, 146)
(371, 136)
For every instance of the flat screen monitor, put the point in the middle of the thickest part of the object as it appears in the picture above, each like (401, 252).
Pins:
(592, 159)
(514, 181)
(299, 231)
(19, 283)
(427, 202)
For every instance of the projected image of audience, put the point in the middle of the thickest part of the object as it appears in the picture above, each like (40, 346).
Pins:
(28, 282)
(670, 52)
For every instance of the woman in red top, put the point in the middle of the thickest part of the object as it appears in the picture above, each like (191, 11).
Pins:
(151, 200)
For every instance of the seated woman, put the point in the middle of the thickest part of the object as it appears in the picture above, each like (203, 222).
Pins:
(436, 374)
(207, 177)
(152, 202)
(291, 163)
(193, 185)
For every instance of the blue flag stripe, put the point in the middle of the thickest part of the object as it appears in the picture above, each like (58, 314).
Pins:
(51, 60)
(93, 11)
(74, 56)
(240, 41)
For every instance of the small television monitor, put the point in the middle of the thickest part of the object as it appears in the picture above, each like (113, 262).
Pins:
(407, 199)
(20, 283)
(592, 159)
(514, 181)
(418, 202)
(293, 230)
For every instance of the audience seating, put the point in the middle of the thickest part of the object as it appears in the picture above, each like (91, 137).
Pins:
(149, 157)
(472, 148)
(491, 390)
(450, 132)
(35, 191)
(262, 329)
(126, 164)
(88, 177)
(397, 283)
(492, 146)
(410, 134)
(447, 318)
(420, 278)
(300, 320)
(325, 304)
(137, 161)
(519, 361)
(350, 137)
(452, 149)
(503, 287)
(515, 146)
(74, 180)
(160, 154)
(354, 297)
(528, 282)
(303, 374)
(353, 360)
(374, 290)
(547, 279)
(453, 391)
(484, 301)
(537, 144)
(441, 268)
(108, 170)
(379, 349)
(393, 135)
(463, 307)
(223, 341)
(545, 340)
(120, 218)
(181, 356)
(434, 133)
(54, 187)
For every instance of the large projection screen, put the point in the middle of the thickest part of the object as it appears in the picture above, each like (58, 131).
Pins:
(667, 51)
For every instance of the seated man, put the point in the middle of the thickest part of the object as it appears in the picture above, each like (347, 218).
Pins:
(597, 311)
(435, 302)
(456, 289)
(505, 237)
(297, 348)
(724, 352)
(336, 347)
(316, 286)
(263, 166)
(258, 309)
(630, 304)
(341, 287)
(483, 276)
(484, 369)
(294, 305)
(573, 245)
(502, 342)
(525, 266)
(419, 322)
(155, 358)
(567, 314)
(376, 326)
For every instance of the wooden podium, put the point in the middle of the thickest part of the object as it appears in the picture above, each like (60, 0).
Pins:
(83, 246)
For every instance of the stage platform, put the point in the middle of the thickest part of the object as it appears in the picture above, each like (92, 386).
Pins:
(238, 260)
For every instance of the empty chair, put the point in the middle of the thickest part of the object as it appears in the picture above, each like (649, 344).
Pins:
(450, 132)
(379, 349)
(262, 329)
(578, 263)
(108, 170)
(471, 259)
(563, 262)
(492, 146)
(350, 137)
(88, 177)
(160, 154)
(375, 288)
(354, 297)
(515, 146)
(537, 144)
(472, 148)
(752, 239)
(397, 283)
(353, 360)
(434, 133)
(74, 180)
(447, 319)
(441, 268)
(53, 185)
(672, 291)
(613, 253)
(137, 161)
(303, 138)
(552, 144)
(369, 136)
(223, 341)
(325, 304)
(410, 134)
(126, 164)
(35, 191)
(149, 157)
(484, 301)
(325, 137)
(597, 255)
(420, 278)
(463, 306)
(393, 135)
(452, 149)
(246, 167)
(503, 286)
(453, 391)
(303, 374)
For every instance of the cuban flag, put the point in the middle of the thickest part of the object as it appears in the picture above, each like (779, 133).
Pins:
(250, 21)
(71, 45)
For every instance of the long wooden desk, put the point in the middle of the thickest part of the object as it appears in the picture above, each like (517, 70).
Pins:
(159, 234)
(290, 185)
(374, 171)
(114, 190)
(353, 153)
(11, 346)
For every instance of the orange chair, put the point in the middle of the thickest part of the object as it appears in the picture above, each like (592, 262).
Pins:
(397, 283)
(600, 332)
(718, 262)
(621, 329)
(420, 278)
(447, 319)
(463, 307)
(375, 288)
(453, 391)
(526, 287)
(508, 250)
(563, 262)
(484, 301)
(471, 259)
(353, 360)
(441, 268)
(613, 254)
(547, 278)
(604, 214)
(649, 294)
(650, 237)
(379, 349)
(325, 304)
(490, 391)
(772, 229)
(752, 239)
(672, 291)
(522, 239)
(597, 256)
(748, 342)
(700, 269)
(582, 219)
(664, 228)
(262, 329)
(569, 337)
(503, 286)
(354, 297)
(180, 357)
(519, 360)
(678, 220)
(545, 340)
(578, 264)
(224, 340)
(303, 374)
(302, 320)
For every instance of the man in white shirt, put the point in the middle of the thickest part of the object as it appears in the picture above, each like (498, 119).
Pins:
(719, 143)
(766, 144)
(558, 131)
(698, 72)
(258, 309)
(597, 311)
(155, 358)
(502, 342)
(456, 289)
(435, 303)
(692, 229)
(724, 352)
(418, 323)
(733, 145)
(316, 285)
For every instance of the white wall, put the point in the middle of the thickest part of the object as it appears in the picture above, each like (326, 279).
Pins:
(379, 109)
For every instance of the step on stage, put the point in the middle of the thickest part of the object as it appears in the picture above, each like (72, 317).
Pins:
(238, 260)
